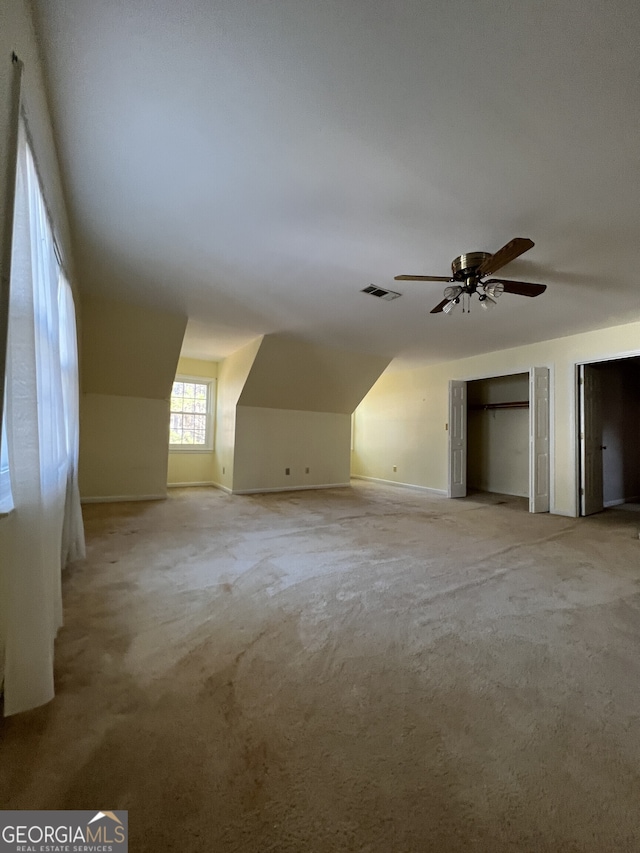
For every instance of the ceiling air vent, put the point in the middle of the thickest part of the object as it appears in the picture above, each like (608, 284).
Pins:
(380, 293)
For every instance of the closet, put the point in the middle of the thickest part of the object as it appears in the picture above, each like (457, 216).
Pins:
(498, 434)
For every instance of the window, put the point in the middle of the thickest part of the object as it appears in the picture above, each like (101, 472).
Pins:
(6, 498)
(191, 424)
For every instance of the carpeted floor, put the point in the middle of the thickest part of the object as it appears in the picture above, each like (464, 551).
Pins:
(367, 669)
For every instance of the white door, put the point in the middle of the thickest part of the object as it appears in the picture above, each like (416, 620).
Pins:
(591, 492)
(457, 439)
(539, 439)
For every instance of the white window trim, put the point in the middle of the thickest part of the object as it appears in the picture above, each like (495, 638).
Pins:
(210, 382)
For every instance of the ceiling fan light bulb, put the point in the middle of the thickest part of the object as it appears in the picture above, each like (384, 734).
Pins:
(452, 292)
(450, 306)
(487, 302)
(493, 291)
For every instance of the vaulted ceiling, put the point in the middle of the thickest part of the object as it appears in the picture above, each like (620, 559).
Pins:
(256, 164)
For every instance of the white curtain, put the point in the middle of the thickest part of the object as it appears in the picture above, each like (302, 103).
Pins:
(45, 528)
(73, 528)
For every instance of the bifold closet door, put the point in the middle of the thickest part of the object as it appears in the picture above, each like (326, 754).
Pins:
(457, 439)
(539, 439)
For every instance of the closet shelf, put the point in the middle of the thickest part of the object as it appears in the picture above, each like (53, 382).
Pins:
(519, 404)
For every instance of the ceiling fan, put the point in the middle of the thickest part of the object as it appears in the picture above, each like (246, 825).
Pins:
(469, 270)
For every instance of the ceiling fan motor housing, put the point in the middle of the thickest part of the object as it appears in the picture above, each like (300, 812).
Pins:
(466, 265)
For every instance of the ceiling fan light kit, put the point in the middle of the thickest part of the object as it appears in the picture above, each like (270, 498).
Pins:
(487, 302)
(469, 269)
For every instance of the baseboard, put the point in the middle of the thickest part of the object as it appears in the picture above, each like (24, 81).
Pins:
(396, 483)
(634, 499)
(223, 488)
(210, 483)
(108, 499)
(194, 485)
(290, 489)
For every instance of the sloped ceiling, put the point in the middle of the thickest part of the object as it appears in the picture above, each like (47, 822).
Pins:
(128, 350)
(256, 164)
(293, 374)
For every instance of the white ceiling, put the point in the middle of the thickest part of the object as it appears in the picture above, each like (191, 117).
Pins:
(256, 164)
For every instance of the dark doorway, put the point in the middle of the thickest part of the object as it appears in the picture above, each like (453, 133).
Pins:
(609, 446)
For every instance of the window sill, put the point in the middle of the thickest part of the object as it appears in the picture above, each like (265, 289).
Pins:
(190, 449)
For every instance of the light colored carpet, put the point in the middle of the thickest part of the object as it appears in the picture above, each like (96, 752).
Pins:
(366, 669)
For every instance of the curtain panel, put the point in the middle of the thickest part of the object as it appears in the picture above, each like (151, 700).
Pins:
(44, 530)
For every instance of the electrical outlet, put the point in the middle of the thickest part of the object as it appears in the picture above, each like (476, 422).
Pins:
(287, 471)
(306, 470)
(224, 470)
(395, 468)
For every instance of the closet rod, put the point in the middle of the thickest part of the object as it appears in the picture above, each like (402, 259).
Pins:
(517, 404)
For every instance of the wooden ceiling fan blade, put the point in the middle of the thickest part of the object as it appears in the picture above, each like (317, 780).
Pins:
(509, 252)
(522, 288)
(439, 307)
(422, 278)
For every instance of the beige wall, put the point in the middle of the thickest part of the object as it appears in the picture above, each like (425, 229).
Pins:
(193, 467)
(398, 425)
(232, 375)
(270, 440)
(128, 364)
(294, 411)
(123, 446)
(253, 444)
(403, 419)
(197, 367)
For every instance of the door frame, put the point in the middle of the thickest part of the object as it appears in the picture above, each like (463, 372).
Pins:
(577, 415)
(495, 374)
